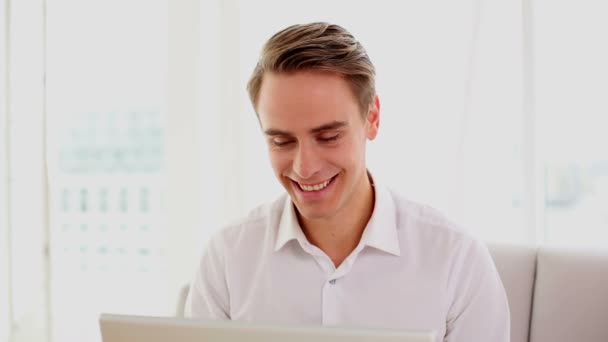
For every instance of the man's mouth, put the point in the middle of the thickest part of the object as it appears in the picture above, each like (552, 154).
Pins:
(315, 187)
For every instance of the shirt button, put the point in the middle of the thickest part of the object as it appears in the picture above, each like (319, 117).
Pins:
(333, 281)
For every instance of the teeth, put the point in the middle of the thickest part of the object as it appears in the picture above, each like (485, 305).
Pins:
(315, 187)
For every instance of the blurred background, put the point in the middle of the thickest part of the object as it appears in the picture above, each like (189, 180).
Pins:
(127, 138)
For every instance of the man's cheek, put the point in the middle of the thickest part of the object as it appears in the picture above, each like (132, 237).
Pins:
(278, 164)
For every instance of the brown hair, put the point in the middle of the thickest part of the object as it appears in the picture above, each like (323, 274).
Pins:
(317, 46)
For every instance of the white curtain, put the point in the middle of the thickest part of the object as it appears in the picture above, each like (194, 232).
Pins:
(23, 169)
(5, 264)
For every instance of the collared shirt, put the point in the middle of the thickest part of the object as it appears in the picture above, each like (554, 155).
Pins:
(412, 270)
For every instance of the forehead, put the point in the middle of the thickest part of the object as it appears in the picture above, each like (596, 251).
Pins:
(303, 100)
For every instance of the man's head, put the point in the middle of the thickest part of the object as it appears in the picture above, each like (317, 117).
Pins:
(319, 47)
(313, 90)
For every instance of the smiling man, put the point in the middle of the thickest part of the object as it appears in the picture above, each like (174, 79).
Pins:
(340, 248)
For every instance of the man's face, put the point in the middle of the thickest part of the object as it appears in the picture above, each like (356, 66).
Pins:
(316, 139)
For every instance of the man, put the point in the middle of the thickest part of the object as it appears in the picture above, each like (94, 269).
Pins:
(340, 249)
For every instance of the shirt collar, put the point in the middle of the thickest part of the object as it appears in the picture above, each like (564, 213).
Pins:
(289, 227)
(380, 232)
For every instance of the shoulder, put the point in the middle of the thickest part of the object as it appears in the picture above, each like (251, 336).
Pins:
(257, 227)
(429, 236)
(425, 219)
(427, 229)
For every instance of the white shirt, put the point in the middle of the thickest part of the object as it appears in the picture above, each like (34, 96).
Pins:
(412, 270)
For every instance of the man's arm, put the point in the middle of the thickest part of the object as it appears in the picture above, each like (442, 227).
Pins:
(208, 296)
(479, 310)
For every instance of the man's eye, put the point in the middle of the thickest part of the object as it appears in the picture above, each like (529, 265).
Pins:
(281, 142)
(329, 138)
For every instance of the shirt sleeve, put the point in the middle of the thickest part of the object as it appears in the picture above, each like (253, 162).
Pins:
(208, 297)
(480, 309)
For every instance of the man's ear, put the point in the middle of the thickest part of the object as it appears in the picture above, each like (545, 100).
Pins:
(372, 121)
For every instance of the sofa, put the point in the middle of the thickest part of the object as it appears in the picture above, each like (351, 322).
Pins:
(555, 295)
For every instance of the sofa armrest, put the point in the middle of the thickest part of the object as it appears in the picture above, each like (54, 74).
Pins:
(516, 266)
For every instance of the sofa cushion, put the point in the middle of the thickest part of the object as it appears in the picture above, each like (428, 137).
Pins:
(571, 296)
(516, 266)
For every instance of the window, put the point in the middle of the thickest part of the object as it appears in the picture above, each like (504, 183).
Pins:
(571, 86)
(106, 104)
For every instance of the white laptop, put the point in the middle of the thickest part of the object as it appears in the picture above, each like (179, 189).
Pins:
(118, 328)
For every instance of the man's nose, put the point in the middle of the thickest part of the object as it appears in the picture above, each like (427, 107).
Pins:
(306, 161)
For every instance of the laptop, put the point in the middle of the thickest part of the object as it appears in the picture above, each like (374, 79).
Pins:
(121, 328)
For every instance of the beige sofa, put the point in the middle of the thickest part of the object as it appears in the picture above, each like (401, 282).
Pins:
(555, 295)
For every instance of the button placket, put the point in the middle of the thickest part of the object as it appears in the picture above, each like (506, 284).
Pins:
(330, 302)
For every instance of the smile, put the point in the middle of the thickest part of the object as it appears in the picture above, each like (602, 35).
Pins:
(315, 187)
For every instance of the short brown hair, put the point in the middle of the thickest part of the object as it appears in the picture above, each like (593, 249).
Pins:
(317, 46)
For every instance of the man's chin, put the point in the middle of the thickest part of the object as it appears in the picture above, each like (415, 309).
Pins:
(312, 212)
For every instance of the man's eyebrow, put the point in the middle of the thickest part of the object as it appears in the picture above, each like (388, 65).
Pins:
(329, 126)
(274, 132)
(326, 127)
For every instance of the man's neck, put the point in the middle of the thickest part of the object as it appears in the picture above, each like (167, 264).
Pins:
(339, 235)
